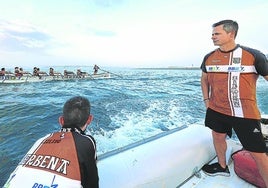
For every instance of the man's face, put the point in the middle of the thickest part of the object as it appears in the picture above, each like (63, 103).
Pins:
(220, 37)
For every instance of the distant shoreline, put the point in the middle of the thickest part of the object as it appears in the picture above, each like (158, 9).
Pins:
(172, 68)
(27, 68)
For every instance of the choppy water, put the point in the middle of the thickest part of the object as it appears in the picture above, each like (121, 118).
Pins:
(136, 104)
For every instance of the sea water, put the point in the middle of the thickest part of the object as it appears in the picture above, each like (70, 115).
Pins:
(134, 104)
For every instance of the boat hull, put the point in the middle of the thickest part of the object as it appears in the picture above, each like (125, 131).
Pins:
(164, 162)
(30, 79)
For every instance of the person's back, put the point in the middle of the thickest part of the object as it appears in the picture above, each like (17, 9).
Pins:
(3, 72)
(51, 72)
(69, 74)
(66, 158)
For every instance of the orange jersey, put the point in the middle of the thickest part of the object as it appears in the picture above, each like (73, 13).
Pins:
(232, 78)
(61, 159)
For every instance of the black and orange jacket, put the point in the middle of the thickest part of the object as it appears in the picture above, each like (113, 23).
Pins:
(61, 159)
(232, 78)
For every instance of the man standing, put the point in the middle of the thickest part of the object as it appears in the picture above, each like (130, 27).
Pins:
(228, 81)
(96, 69)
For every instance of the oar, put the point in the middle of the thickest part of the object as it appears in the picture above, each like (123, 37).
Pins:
(91, 76)
(112, 73)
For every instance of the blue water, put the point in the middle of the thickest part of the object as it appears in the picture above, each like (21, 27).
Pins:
(134, 104)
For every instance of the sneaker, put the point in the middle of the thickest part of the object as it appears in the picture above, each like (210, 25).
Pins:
(215, 169)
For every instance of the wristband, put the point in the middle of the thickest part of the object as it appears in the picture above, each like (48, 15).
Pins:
(206, 99)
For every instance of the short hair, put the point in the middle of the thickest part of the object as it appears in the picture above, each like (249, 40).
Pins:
(228, 26)
(75, 112)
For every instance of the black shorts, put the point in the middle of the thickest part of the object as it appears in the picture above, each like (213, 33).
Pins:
(248, 131)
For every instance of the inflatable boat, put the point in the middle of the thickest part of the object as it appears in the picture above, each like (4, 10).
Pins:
(171, 159)
(168, 160)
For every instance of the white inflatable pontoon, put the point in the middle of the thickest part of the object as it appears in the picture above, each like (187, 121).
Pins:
(166, 160)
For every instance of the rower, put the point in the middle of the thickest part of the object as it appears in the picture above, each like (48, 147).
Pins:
(2, 73)
(96, 68)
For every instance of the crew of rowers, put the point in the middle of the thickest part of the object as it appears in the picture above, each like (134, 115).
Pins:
(18, 72)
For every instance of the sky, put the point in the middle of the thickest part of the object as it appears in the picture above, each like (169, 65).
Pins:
(122, 33)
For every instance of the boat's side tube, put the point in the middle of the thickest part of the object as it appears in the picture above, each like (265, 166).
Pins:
(164, 162)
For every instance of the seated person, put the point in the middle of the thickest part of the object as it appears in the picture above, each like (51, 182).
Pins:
(35, 71)
(18, 73)
(22, 72)
(69, 74)
(51, 72)
(66, 158)
(41, 73)
(81, 74)
(3, 73)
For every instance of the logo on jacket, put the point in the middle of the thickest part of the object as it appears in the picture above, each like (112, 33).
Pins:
(236, 60)
(44, 162)
(236, 69)
(213, 68)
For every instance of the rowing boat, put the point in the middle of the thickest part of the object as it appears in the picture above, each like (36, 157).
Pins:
(27, 78)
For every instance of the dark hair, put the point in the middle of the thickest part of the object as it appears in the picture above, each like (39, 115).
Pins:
(75, 112)
(228, 26)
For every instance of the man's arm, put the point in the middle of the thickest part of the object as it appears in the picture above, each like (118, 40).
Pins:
(266, 77)
(205, 88)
